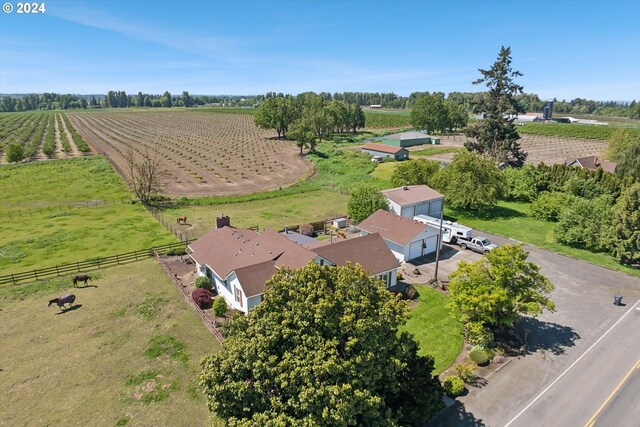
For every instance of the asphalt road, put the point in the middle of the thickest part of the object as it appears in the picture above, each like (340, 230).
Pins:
(624, 408)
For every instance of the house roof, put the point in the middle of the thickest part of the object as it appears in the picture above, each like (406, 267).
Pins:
(592, 163)
(369, 251)
(407, 135)
(299, 238)
(253, 277)
(227, 249)
(382, 148)
(412, 194)
(392, 227)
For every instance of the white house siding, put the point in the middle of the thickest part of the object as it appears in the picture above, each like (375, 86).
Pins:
(394, 207)
(236, 287)
(432, 208)
(251, 302)
(393, 277)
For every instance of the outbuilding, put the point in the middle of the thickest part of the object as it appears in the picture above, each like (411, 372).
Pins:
(412, 200)
(382, 150)
(409, 139)
(407, 239)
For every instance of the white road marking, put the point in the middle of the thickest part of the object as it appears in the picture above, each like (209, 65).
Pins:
(572, 365)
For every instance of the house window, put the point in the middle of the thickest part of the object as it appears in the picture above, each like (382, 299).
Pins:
(238, 295)
(386, 278)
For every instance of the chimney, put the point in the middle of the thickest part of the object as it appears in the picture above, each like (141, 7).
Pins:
(223, 221)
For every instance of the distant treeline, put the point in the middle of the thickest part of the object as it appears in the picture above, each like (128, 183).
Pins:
(120, 99)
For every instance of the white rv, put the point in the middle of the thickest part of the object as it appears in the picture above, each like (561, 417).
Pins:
(451, 231)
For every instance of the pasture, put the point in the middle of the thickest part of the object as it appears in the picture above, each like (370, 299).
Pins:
(69, 210)
(204, 153)
(128, 354)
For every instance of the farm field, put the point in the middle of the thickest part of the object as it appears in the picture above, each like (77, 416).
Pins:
(67, 211)
(271, 213)
(573, 130)
(437, 333)
(127, 355)
(204, 153)
(42, 135)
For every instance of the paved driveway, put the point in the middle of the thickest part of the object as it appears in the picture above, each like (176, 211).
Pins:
(584, 312)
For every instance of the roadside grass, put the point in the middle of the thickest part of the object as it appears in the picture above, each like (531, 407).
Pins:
(43, 227)
(284, 211)
(512, 220)
(438, 334)
(103, 363)
(432, 151)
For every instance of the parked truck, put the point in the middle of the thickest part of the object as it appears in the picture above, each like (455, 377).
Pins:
(451, 231)
(477, 244)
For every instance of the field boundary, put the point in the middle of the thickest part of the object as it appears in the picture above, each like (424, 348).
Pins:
(87, 265)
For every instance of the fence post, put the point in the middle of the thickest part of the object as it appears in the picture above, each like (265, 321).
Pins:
(13, 278)
(35, 273)
(78, 265)
(117, 259)
(57, 271)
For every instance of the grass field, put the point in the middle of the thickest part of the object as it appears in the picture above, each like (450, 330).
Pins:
(383, 171)
(438, 334)
(432, 151)
(127, 355)
(511, 219)
(43, 227)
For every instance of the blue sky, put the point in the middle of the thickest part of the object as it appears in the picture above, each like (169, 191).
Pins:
(565, 49)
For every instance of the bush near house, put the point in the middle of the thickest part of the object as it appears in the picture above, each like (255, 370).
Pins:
(453, 386)
(202, 297)
(479, 357)
(204, 283)
(219, 307)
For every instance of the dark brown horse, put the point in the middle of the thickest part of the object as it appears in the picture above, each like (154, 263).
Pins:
(61, 301)
(182, 220)
(81, 278)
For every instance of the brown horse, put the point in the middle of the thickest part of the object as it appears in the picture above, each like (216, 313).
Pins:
(61, 301)
(81, 278)
(182, 220)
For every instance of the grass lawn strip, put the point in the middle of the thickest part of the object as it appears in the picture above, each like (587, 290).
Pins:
(438, 334)
(110, 360)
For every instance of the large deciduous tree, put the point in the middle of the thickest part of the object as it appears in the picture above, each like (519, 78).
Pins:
(496, 135)
(495, 291)
(364, 200)
(277, 113)
(626, 228)
(430, 114)
(415, 172)
(470, 182)
(322, 349)
(145, 174)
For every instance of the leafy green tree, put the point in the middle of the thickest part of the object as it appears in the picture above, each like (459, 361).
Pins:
(358, 119)
(414, 172)
(469, 182)
(165, 100)
(316, 116)
(302, 133)
(430, 113)
(549, 206)
(587, 223)
(496, 135)
(496, 291)
(519, 183)
(364, 200)
(187, 100)
(277, 113)
(457, 115)
(14, 153)
(629, 161)
(618, 142)
(323, 348)
(626, 226)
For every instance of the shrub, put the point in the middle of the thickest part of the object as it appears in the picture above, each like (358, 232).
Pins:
(204, 283)
(399, 276)
(219, 307)
(177, 251)
(480, 357)
(477, 333)
(307, 230)
(202, 297)
(467, 371)
(410, 292)
(453, 386)
(549, 206)
(587, 223)
(519, 183)
(14, 153)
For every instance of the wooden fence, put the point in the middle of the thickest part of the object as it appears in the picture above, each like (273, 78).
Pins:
(318, 226)
(87, 265)
(20, 211)
(210, 324)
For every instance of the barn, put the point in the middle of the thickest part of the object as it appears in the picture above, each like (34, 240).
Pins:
(409, 139)
(382, 150)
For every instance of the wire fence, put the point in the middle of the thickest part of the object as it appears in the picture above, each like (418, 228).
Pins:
(87, 265)
(20, 211)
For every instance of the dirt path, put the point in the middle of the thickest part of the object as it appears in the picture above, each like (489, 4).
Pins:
(58, 153)
(39, 153)
(74, 150)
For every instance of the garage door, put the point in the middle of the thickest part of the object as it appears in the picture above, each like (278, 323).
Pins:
(415, 249)
(423, 209)
(432, 243)
(408, 212)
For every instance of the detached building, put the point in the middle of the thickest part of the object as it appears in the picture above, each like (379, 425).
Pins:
(412, 200)
(382, 150)
(408, 139)
(592, 163)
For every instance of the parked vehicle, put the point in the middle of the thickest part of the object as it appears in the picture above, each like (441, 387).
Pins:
(377, 159)
(477, 244)
(451, 231)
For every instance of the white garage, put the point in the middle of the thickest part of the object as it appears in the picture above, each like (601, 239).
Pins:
(412, 200)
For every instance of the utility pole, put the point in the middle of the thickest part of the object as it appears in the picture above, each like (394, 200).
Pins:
(439, 242)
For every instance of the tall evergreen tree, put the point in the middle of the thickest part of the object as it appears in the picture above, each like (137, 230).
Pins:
(496, 136)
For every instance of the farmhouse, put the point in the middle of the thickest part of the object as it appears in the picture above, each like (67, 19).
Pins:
(407, 239)
(592, 163)
(239, 262)
(412, 200)
(408, 139)
(382, 150)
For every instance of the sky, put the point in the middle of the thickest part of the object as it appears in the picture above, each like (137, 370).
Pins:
(565, 49)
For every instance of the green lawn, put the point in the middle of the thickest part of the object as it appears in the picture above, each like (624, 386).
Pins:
(128, 355)
(431, 151)
(511, 219)
(42, 228)
(438, 334)
(271, 213)
(383, 171)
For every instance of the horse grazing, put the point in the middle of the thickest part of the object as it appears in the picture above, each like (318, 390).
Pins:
(61, 301)
(182, 220)
(81, 278)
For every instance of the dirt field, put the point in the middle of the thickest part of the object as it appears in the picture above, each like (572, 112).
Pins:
(547, 149)
(205, 153)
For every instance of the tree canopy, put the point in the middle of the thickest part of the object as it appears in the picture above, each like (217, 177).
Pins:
(626, 226)
(364, 200)
(415, 172)
(496, 135)
(469, 182)
(322, 349)
(496, 290)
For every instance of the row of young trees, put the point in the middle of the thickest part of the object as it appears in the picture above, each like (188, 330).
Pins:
(308, 117)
